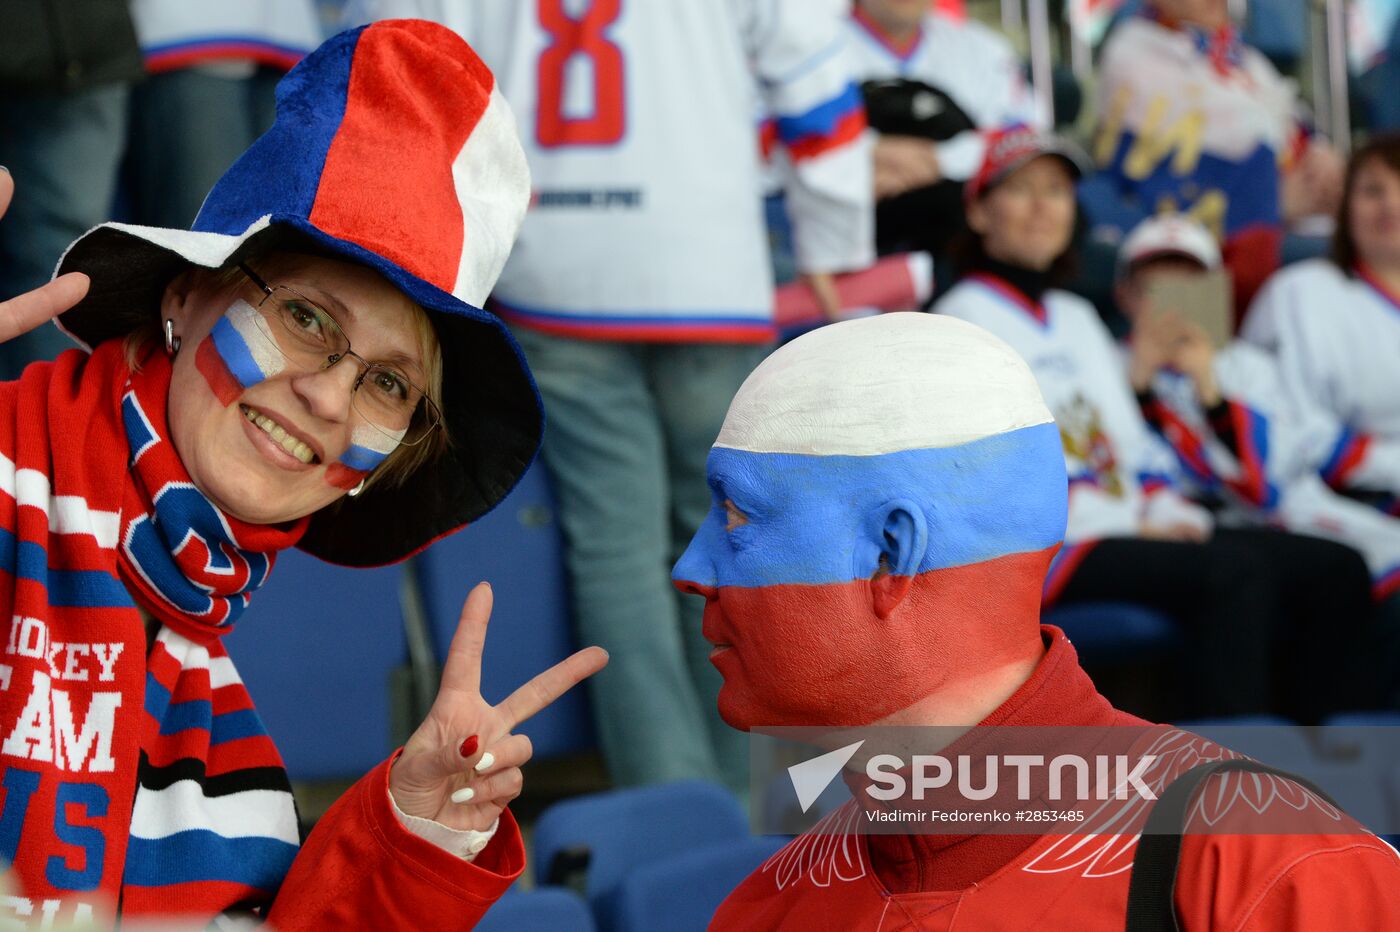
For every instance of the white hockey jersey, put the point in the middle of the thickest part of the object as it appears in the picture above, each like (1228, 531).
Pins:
(1267, 474)
(179, 33)
(1190, 124)
(1337, 341)
(974, 65)
(1120, 473)
(639, 124)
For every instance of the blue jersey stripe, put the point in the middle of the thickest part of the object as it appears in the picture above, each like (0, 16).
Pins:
(822, 119)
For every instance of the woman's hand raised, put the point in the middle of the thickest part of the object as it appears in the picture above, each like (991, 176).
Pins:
(27, 311)
(462, 765)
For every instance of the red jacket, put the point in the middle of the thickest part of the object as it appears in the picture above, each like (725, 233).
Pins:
(833, 878)
(361, 869)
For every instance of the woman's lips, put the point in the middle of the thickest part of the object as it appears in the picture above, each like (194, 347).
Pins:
(270, 449)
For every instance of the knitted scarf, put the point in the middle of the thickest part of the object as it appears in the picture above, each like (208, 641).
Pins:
(136, 776)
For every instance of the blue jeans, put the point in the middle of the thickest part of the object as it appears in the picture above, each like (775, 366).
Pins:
(63, 151)
(187, 128)
(629, 427)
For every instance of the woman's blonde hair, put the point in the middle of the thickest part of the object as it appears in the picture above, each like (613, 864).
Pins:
(405, 460)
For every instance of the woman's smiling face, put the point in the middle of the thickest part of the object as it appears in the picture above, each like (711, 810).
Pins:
(267, 449)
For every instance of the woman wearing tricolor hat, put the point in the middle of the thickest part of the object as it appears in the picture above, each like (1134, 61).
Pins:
(307, 367)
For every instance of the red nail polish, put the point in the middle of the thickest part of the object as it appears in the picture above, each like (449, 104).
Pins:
(469, 746)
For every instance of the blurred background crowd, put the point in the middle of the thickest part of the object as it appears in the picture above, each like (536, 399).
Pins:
(1184, 214)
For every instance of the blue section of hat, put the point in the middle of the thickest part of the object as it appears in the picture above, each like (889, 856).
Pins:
(281, 172)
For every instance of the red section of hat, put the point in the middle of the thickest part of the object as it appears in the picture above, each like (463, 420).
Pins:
(416, 94)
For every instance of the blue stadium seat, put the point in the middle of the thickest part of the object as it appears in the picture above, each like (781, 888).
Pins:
(616, 832)
(1110, 633)
(1269, 739)
(316, 647)
(1372, 736)
(681, 893)
(545, 909)
(517, 548)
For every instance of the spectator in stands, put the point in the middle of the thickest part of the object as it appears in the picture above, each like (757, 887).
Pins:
(212, 68)
(1243, 449)
(887, 496)
(641, 292)
(1191, 119)
(1132, 535)
(65, 70)
(931, 80)
(1334, 325)
(305, 367)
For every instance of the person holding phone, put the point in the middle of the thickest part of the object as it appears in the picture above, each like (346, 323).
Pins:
(1132, 535)
(1243, 449)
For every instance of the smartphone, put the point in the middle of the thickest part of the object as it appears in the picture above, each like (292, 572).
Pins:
(1203, 298)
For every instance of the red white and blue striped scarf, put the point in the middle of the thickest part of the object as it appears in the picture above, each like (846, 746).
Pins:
(136, 776)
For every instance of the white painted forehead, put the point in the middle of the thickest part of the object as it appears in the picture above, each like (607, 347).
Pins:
(882, 384)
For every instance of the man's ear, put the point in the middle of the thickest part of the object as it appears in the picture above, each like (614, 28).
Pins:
(903, 543)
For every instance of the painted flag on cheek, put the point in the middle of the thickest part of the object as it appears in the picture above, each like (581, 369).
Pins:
(368, 448)
(237, 354)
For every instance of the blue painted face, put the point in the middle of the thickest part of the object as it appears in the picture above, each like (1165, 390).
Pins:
(794, 548)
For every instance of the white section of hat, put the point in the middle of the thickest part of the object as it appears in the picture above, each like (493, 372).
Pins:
(902, 381)
(493, 187)
(1172, 233)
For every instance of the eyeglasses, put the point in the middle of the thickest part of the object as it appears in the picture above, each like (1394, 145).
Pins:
(310, 339)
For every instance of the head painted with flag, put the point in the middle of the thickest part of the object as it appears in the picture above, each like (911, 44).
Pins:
(887, 496)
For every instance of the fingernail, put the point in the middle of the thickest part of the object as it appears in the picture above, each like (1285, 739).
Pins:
(487, 760)
(463, 795)
(469, 746)
(4, 169)
(486, 584)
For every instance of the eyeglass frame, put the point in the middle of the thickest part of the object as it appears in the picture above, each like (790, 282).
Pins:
(365, 364)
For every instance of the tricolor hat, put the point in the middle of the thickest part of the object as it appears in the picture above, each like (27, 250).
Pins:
(394, 149)
(1012, 147)
(1169, 235)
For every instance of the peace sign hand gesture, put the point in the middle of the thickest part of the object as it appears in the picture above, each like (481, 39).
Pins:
(27, 311)
(462, 765)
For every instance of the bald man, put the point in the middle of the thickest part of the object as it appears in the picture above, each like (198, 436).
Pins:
(888, 494)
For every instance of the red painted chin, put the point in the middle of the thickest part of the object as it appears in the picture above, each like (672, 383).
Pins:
(805, 655)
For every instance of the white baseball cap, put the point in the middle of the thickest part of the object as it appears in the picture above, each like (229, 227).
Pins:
(1169, 235)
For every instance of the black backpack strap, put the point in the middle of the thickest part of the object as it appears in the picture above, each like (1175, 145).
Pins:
(1151, 904)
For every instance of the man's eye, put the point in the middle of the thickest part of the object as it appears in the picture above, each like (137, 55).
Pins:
(734, 518)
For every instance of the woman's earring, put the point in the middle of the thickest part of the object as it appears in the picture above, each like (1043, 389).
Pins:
(172, 342)
(360, 487)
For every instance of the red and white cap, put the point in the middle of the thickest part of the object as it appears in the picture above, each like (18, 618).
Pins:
(1169, 235)
(1012, 147)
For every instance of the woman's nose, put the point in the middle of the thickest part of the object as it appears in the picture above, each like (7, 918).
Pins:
(327, 392)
